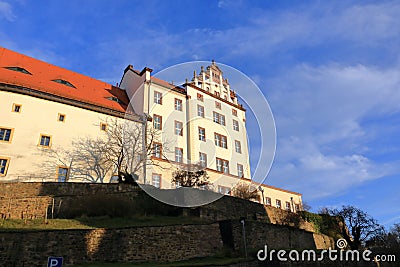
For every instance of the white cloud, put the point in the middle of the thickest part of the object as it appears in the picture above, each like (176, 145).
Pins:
(6, 11)
(322, 143)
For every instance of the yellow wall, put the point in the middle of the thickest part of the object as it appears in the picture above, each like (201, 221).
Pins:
(38, 116)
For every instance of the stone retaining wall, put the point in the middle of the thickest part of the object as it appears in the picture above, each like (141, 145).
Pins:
(135, 244)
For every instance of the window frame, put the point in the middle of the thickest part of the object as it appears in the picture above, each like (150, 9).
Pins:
(200, 97)
(241, 169)
(175, 128)
(159, 176)
(50, 140)
(223, 164)
(10, 137)
(238, 147)
(219, 118)
(58, 173)
(59, 116)
(159, 145)
(224, 190)
(202, 134)
(220, 140)
(234, 112)
(297, 207)
(280, 204)
(235, 125)
(178, 104)
(105, 125)
(200, 111)
(159, 98)
(154, 121)
(15, 105)
(203, 163)
(288, 208)
(218, 105)
(181, 154)
(268, 201)
(7, 160)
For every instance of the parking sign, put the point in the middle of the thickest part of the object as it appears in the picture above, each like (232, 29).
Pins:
(54, 262)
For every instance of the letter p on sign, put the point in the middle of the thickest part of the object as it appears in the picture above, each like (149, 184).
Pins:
(54, 262)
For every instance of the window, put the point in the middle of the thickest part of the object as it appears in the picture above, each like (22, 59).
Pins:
(222, 165)
(224, 190)
(235, 125)
(4, 166)
(287, 206)
(268, 201)
(61, 117)
(178, 128)
(62, 174)
(64, 82)
(18, 69)
(200, 111)
(16, 108)
(297, 207)
(157, 97)
(103, 126)
(238, 147)
(157, 150)
(219, 164)
(178, 104)
(219, 118)
(176, 185)
(200, 97)
(217, 105)
(203, 159)
(45, 140)
(116, 99)
(5, 135)
(157, 122)
(234, 112)
(178, 154)
(220, 140)
(202, 134)
(156, 180)
(240, 170)
(278, 204)
(114, 178)
(225, 166)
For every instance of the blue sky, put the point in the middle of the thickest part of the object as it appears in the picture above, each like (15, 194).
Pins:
(329, 69)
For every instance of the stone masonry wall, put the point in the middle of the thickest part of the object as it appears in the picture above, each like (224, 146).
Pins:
(135, 244)
(33, 200)
(259, 234)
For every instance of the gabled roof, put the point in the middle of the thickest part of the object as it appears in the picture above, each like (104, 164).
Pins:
(50, 79)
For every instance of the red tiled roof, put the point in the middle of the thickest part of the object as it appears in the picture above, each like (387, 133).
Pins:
(87, 89)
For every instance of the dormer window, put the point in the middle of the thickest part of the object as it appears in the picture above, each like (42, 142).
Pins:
(115, 99)
(18, 69)
(61, 81)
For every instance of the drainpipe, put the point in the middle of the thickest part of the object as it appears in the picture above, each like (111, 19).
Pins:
(188, 134)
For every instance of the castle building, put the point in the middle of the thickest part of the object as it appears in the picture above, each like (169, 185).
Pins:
(46, 108)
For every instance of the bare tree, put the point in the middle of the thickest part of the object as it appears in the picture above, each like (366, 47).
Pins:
(121, 150)
(358, 226)
(245, 191)
(131, 145)
(90, 161)
(192, 175)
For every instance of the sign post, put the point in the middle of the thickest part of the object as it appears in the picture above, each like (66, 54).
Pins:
(54, 262)
(242, 220)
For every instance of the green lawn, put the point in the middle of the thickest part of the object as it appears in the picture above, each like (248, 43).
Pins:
(93, 223)
(209, 261)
